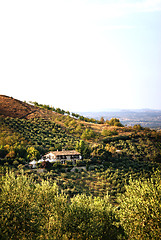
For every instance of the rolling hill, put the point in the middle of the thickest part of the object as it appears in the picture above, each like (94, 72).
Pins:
(114, 158)
(48, 130)
(10, 107)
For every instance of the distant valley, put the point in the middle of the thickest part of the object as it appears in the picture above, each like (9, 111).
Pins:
(146, 118)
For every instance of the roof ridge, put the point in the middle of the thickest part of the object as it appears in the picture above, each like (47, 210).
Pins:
(64, 151)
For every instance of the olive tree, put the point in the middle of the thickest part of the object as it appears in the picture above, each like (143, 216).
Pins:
(140, 208)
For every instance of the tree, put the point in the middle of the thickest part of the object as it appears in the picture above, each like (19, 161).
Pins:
(67, 112)
(58, 110)
(83, 149)
(80, 146)
(100, 153)
(102, 121)
(19, 218)
(88, 134)
(3, 152)
(32, 153)
(140, 208)
(30, 210)
(137, 127)
(11, 153)
(91, 218)
(115, 122)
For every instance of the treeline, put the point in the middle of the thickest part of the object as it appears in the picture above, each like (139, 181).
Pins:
(31, 210)
(61, 111)
(48, 107)
(112, 122)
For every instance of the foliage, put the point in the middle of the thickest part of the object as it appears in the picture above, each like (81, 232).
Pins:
(137, 127)
(90, 218)
(115, 122)
(99, 152)
(31, 210)
(32, 153)
(88, 134)
(40, 133)
(102, 121)
(83, 148)
(61, 111)
(105, 132)
(140, 208)
(18, 210)
(12, 144)
(59, 204)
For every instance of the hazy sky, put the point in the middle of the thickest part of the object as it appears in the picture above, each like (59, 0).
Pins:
(82, 55)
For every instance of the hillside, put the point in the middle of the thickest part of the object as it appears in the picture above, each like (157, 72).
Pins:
(47, 130)
(10, 107)
(118, 163)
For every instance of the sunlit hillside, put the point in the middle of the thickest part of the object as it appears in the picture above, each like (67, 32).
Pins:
(117, 177)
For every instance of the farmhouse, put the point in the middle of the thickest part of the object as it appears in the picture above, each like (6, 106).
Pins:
(62, 156)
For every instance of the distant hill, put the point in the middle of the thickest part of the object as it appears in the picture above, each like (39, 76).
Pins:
(144, 117)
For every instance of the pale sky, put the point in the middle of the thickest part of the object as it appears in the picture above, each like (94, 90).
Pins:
(82, 55)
